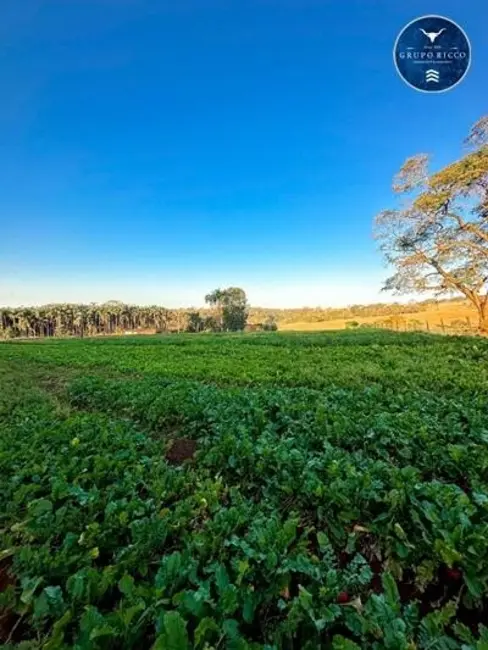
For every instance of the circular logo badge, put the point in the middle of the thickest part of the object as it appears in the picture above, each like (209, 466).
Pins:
(432, 54)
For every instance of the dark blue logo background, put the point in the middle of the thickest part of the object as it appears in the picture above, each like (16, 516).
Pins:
(432, 54)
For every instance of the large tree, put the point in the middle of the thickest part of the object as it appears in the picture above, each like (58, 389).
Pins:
(231, 309)
(437, 240)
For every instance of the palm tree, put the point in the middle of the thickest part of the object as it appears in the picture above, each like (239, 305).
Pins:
(79, 320)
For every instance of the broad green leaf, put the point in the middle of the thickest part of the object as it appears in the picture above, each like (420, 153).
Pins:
(175, 636)
(55, 598)
(221, 579)
(206, 630)
(323, 541)
(40, 507)
(7, 552)
(57, 635)
(448, 553)
(474, 584)
(103, 631)
(126, 584)
(391, 591)
(341, 643)
(29, 587)
(464, 633)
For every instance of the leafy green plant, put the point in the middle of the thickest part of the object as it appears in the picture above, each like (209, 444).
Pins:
(314, 513)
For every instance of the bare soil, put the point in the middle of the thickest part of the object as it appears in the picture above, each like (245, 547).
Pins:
(181, 450)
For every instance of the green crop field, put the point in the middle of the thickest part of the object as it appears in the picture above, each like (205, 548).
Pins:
(295, 491)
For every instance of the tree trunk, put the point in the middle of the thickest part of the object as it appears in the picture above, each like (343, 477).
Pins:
(482, 317)
(483, 323)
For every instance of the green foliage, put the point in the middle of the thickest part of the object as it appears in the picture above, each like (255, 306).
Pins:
(437, 241)
(338, 496)
(174, 635)
(195, 322)
(231, 308)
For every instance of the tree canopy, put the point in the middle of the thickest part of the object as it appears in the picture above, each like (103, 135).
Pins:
(437, 240)
(230, 306)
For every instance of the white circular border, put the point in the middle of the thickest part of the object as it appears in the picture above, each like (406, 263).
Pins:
(421, 90)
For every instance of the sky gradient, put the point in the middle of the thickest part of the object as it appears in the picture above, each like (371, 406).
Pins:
(152, 151)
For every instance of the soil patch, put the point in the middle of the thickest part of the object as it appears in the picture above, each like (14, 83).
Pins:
(181, 449)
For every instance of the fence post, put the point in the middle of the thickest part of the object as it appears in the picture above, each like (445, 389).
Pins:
(443, 326)
(427, 325)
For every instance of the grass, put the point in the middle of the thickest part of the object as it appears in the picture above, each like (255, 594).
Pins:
(445, 318)
(322, 490)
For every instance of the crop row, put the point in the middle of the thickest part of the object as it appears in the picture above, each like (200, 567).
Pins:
(445, 365)
(304, 519)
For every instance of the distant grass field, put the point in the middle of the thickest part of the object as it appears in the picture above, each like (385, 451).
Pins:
(248, 492)
(444, 319)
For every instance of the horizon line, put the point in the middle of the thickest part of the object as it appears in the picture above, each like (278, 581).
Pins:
(193, 307)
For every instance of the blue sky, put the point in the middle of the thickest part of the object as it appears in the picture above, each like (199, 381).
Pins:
(152, 150)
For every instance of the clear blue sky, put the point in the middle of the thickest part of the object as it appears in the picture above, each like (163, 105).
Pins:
(153, 150)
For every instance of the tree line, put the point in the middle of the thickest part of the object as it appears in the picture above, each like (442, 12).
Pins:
(227, 311)
(116, 317)
(84, 320)
(325, 314)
